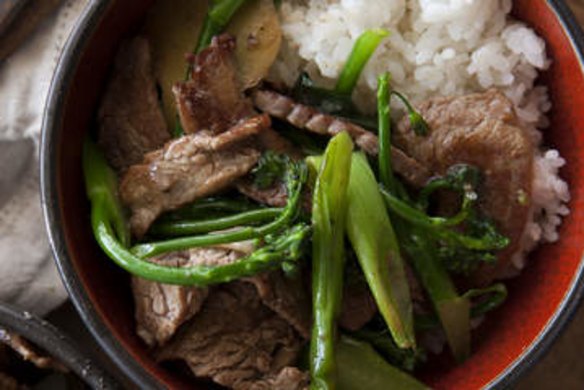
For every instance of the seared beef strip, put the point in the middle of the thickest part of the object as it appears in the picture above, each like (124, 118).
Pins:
(287, 297)
(358, 306)
(131, 122)
(305, 117)
(274, 196)
(289, 378)
(212, 99)
(188, 168)
(480, 129)
(235, 339)
(162, 308)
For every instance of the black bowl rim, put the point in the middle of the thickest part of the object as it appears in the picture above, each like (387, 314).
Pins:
(49, 198)
(86, 24)
(46, 336)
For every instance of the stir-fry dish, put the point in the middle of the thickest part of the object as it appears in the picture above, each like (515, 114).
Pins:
(282, 236)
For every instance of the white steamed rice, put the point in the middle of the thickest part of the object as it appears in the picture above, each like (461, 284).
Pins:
(436, 47)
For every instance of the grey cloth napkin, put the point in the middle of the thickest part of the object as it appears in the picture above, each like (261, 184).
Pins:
(28, 276)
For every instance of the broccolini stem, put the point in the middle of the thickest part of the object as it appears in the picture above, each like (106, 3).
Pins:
(453, 310)
(495, 296)
(419, 218)
(362, 50)
(182, 228)
(384, 117)
(285, 249)
(207, 208)
(329, 208)
(417, 122)
(439, 227)
(296, 176)
(217, 18)
(111, 233)
(490, 298)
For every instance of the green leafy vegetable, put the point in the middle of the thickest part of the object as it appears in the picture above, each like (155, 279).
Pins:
(329, 208)
(376, 246)
(475, 239)
(270, 169)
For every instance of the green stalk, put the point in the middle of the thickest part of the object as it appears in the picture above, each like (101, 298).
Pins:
(420, 219)
(101, 185)
(182, 228)
(217, 19)
(360, 367)
(296, 177)
(495, 296)
(452, 309)
(205, 208)
(417, 122)
(439, 227)
(362, 50)
(384, 117)
(329, 208)
(376, 246)
(112, 234)
(286, 249)
(490, 298)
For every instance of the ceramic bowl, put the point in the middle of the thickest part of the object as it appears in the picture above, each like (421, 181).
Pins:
(541, 300)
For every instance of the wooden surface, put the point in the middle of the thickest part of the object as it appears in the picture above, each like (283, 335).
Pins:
(563, 366)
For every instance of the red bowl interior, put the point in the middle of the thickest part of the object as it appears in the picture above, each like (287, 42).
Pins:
(536, 297)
